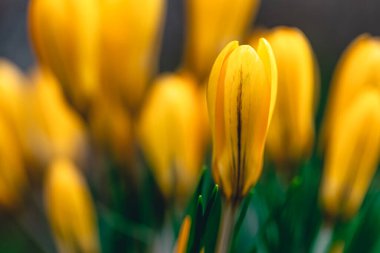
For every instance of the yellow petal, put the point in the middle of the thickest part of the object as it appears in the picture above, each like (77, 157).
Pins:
(70, 209)
(129, 46)
(352, 155)
(291, 133)
(172, 134)
(358, 69)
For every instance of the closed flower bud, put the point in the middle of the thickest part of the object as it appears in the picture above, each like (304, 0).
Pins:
(70, 209)
(65, 38)
(358, 69)
(241, 98)
(210, 26)
(12, 172)
(53, 128)
(12, 102)
(291, 133)
(352, 155)
(129, 46)
(172, 134)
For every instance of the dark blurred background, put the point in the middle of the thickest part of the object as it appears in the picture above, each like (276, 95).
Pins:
(330, 26)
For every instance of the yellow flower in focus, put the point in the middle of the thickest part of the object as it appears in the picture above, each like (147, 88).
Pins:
(358, 69)
(352, 155)
(53, 128)
(65, 38)
(12, 172)
(210, 26)
(172, 134)
(70, 209)
(183, 236)
(241, 98)
(129, 46)
(111, 128)
(291, 133)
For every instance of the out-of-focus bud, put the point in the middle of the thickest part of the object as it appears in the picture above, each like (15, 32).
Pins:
(130, 38)
(53, 128)
(358, 69)
(352, 155)
(210, 26)
(172, 134)
(111, 129)
(12, 173)
(183, 236)
(70, 209)
(241, 98)
(291, 133)
(65, 36)
(12, 102)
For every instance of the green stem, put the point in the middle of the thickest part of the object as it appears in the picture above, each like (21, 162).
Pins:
(323, 240)
(227, 226)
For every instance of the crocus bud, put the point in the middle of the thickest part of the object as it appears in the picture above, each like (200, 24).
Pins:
(12, 102)
(358, 69)
(291, 133)
(70, 209)
(241, 98)
(352, 155)
(210, 25)
(172, 134)
(53, 128)
(129, 46)
(12, 173)
(64, 37)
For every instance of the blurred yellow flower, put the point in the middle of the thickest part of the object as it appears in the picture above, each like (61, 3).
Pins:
(357, 70)
(12, 172)
(12, 102)
(129, 46)
(65, 38)
(70, 209)
(352, 155)
(241, 98)
(53, 129)
(210, 25)
(291, 133)
(98, 46)
(172, 134)
(183, 236)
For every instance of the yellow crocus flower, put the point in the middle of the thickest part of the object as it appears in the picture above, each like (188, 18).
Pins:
(129, 45)
(291, 134)
(65, 35)
(172, 134)
(352, 155)
(358, 69)
(12, 102)
(53, 128)
(210, 25)
(12, 172)
(183, 236)
(70, 209)
(241, 98)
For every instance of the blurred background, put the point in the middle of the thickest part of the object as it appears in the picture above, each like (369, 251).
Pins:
(329, 25)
